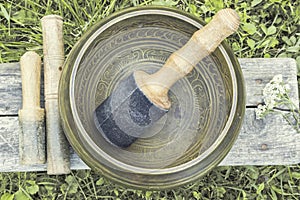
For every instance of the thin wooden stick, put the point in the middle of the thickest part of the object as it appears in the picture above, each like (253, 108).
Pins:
(58, 161)
(31, 116)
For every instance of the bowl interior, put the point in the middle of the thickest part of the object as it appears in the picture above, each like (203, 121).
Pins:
(201, 101)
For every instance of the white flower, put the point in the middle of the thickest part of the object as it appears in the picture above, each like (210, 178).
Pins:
(287, 87)
(273, 94)
(270, 102)
(260, 111)
(277, 79)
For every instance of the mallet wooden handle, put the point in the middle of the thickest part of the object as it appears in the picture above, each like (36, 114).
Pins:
(30, 64)
(31, 116)
(180, 63)
(58, 161)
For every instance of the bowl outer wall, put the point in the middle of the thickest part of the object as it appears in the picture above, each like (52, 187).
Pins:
(148, 181)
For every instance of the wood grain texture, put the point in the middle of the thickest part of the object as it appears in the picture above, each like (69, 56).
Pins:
(10, 89)
(9, 153)
(270, 141)
(259, 71)
(31, 116)
(30, 64)
(53, 50)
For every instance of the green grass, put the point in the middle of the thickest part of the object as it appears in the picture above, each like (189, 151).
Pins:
(269, 28)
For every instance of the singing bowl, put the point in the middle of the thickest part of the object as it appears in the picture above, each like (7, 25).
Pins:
(207, 109)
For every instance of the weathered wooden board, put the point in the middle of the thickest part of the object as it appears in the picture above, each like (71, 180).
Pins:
(269, 141)
(9, 149)
(259, 71)
(10, 89)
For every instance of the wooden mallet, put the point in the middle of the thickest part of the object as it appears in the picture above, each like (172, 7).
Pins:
(142, 99)
(31, 116)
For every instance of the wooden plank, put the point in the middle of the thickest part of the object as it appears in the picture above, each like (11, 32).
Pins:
(259, 71)
(258, 143)
(270, 141)
(9, 149)
(10, 88)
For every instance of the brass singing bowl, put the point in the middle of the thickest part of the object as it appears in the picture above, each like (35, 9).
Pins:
(208, 104)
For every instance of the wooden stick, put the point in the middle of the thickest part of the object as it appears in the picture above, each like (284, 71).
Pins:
(31, 116)
(181, 62)
(58, 161)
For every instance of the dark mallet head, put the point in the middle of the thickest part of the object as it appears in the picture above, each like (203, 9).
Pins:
(142, 99)
(126, 114)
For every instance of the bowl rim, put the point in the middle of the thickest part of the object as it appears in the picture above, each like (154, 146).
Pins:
(233, 119)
